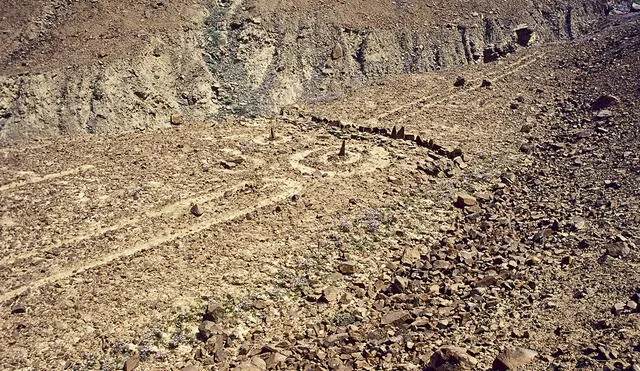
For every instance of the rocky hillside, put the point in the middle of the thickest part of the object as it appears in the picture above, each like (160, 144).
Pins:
(97, 66)
(271, 55)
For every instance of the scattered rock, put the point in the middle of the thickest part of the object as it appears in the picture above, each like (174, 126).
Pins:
(132, 363)
(635, 7)
(395, 317)
(399, 285)
(195, 210)
(604, 114)
(410, 255)
(464, 200)
(207, 329)
(527, 148)
(348, 268)
(259, 362)
(190, 368)
(337, 52)
(330, 295)
(618, 308)
(525, 35)
(275, 359)
(493, 52)
(247, 366)
(451, 358)
(486, 83)
(176, 119)
(18, 309)
(512, 359)
(526, 128)
(604, 101)
(618, 249)
(460, 81)
(214, 312)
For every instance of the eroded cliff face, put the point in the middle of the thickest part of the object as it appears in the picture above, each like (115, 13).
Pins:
(120, 95)
(267, 58)
(101, 67)
(68, 71)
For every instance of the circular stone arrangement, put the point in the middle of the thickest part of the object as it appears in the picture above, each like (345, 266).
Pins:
(327, 162)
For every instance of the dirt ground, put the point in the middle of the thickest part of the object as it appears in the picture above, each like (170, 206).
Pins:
(217, 246)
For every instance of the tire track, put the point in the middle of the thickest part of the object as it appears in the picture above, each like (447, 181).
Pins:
(44, 178)
(168, 210)
(454, 92)
(534, 58)
(290, 187)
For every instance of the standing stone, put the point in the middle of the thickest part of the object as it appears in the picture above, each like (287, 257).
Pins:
(400, 134)
(394, 133)
(343, 149)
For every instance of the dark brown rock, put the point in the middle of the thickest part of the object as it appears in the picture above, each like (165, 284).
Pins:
(464, 200)
(18, 309)
(195, 210)
(451, 358)
(400, 134)
(604, 101)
